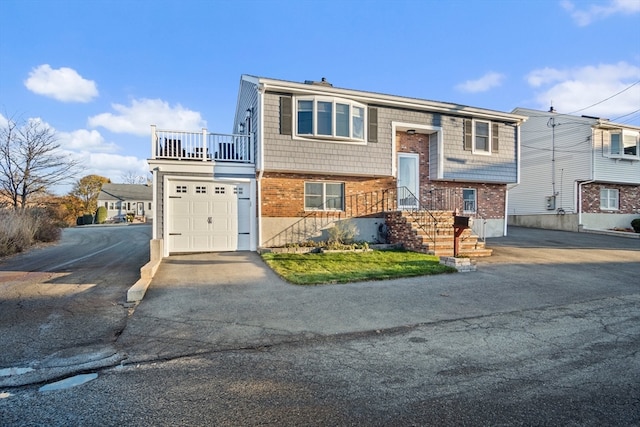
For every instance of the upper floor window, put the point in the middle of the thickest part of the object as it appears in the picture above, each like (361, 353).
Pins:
(481, 136)
(325, 196)
(329, 118)
(609, 199)
(624, 144)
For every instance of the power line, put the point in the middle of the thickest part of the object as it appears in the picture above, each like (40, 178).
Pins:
(606, 99)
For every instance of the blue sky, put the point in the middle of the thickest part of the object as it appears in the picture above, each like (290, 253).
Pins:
(101, 72)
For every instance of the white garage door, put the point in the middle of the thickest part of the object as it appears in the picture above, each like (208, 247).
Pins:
(203, 216)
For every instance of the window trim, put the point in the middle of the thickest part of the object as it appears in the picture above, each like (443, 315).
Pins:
(608, 190)
(623, 133)
(489, 136)
(324, 197)
(315, 99)
(475, 201)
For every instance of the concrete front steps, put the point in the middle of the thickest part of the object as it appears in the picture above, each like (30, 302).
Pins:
(404, 228)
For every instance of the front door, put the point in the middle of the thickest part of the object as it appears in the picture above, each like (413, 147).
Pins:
(140, 209)
(408, 181)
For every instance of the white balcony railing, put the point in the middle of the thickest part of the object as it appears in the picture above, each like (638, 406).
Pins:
(201, 146)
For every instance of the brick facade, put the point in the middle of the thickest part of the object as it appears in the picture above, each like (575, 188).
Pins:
(283, 193)
(628, 198)
(490, 197)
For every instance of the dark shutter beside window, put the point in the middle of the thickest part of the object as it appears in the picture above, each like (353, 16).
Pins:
(285, 115)
(495, 144)
(468, 134)
(373, 124)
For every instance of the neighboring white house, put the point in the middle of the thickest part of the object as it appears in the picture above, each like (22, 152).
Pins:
(123, 199)
(576, 172)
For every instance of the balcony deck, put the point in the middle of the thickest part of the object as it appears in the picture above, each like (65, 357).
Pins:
(202, 146)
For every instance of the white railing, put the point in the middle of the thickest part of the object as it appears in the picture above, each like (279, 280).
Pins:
(201, 146)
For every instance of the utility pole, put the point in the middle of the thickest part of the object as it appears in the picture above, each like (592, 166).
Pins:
(552, 124)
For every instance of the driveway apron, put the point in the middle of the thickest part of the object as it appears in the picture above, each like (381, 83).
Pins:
(200, 303)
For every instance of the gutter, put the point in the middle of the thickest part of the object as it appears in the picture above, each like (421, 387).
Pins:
(391, 100)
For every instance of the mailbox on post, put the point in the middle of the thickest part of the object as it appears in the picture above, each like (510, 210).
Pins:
(460, 223)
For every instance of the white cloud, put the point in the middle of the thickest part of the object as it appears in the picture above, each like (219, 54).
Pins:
(83, 139)
(137, 118)
(483, 84)
(63, 84)
(571, 90)
(584, 17)
(112, 166)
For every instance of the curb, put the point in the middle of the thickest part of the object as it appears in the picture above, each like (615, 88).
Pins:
(137, 291)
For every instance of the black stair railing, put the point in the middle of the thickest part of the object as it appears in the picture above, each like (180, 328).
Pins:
(364, 204)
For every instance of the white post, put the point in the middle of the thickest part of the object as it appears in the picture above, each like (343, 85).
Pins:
(204, 144)
(153, 142)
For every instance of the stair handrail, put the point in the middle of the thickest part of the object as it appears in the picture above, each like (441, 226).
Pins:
(416, 210)
(376, 201)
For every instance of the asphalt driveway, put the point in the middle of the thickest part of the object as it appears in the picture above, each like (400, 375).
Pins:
(210, 302)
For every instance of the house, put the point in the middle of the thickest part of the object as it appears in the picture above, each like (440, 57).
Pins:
(577, 172)
(307, 155)
(123, 199)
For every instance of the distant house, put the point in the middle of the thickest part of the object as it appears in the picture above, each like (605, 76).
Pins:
(576, 172)
(304, 156)
(123, 199)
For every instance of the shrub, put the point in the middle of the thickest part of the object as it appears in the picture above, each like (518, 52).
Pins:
(87, 219)
(21, 229)
(635, 224)
(101, 215)
(16, 232)
(343, 232)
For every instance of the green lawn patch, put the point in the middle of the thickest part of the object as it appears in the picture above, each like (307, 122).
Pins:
(344, 267)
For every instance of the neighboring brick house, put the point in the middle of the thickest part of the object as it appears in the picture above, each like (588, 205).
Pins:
(123, 199)
(305, 155)
(577, 172)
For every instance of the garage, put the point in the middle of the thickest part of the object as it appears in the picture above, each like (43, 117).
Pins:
(204, 216)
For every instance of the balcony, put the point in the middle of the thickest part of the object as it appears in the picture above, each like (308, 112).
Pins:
(201, 146)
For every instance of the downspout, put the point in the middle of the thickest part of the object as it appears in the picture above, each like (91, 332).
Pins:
(506, 193)
(260, 161)
(591, 179)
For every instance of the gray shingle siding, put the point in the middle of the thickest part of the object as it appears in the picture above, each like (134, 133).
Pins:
(460, 164)
(284, 153)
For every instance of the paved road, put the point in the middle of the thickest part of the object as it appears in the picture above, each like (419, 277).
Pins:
(546, 332)
(66, 300)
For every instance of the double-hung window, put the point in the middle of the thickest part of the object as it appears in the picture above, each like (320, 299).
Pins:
(324, 196)
(469, 200)
(481, 136)
(624, 144)
(333, 118)
(609, 199)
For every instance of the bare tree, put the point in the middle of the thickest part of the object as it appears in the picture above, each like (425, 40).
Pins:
(130, 177)
(30, 160)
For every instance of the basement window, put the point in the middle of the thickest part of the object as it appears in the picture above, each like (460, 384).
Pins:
(609, 199)
(324, 196)
(469, 200)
